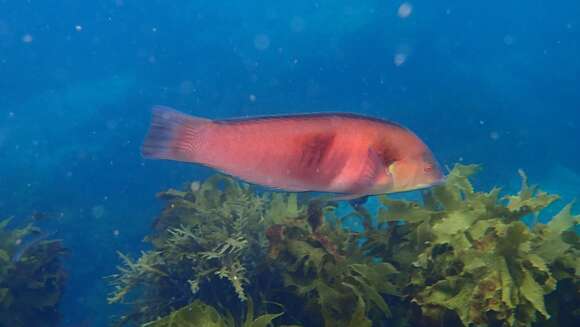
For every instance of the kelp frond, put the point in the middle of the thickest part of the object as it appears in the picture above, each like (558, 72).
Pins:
(459, 257)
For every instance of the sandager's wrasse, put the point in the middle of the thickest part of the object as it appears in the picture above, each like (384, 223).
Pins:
(330, 152)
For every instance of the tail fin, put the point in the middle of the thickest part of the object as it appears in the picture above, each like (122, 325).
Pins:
(173, 135)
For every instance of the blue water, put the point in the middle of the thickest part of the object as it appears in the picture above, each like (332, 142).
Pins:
(491, 82)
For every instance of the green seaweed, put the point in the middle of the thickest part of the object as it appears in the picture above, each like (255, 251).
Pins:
(32, 277)
(477, 258)
(459, 257)
(332, 275)
(203, 315)
(214, 231)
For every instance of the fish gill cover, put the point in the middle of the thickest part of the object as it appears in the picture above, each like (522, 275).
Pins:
(225, 255)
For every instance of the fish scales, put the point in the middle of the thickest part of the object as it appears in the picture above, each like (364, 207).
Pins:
(340, 153)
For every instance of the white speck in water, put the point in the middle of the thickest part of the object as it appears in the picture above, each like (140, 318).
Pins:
(252, 98)
(405, 10)
(98, 211)
(297, 24)
(399, 59)
(116, 232)
(262, 42)
(195, 186)
(78, 28)
(494, 135)
(508, 40)
(27, 38)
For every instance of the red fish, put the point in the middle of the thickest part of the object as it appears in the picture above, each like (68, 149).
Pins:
(335, 152)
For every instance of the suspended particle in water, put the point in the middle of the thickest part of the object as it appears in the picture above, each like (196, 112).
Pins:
(195, 186)
(261, 42)
(399, 59)
(98, 211)
(252, 98)
(116, 232)
(112, 124)
(297, 24)
(494, 135)
(27, 38)
(78, 28)
(186, 87)
(405, 10)
(508, 39)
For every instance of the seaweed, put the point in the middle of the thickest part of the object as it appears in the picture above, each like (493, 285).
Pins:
(459, 257)
(32, 276)
(336, 281)
(201, 314)
(475, 257)
(212, 232)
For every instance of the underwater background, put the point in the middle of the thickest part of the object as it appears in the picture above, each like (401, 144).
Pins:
(488, 82)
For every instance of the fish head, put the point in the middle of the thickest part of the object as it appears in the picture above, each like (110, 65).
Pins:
(415, 172)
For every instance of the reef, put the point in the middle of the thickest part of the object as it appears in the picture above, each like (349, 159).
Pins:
(459, 257)
(32, 276)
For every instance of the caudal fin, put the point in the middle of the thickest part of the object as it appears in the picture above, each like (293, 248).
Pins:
(173, 135)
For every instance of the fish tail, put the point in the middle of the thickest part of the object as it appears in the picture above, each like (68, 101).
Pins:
(173, 135)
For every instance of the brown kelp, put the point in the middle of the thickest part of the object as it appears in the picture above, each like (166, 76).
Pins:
(32, 277)
(460, 257)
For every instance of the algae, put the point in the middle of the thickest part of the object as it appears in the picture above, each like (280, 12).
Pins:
(32, 277)
(201, 314)
(476, 256)
(460, 257)
(209, 234)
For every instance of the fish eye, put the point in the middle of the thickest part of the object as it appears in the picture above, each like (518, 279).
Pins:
(428, 168)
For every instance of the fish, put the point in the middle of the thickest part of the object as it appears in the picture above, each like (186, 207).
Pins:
(339, 153)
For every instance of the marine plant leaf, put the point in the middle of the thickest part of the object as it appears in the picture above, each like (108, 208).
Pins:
(195, 314)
